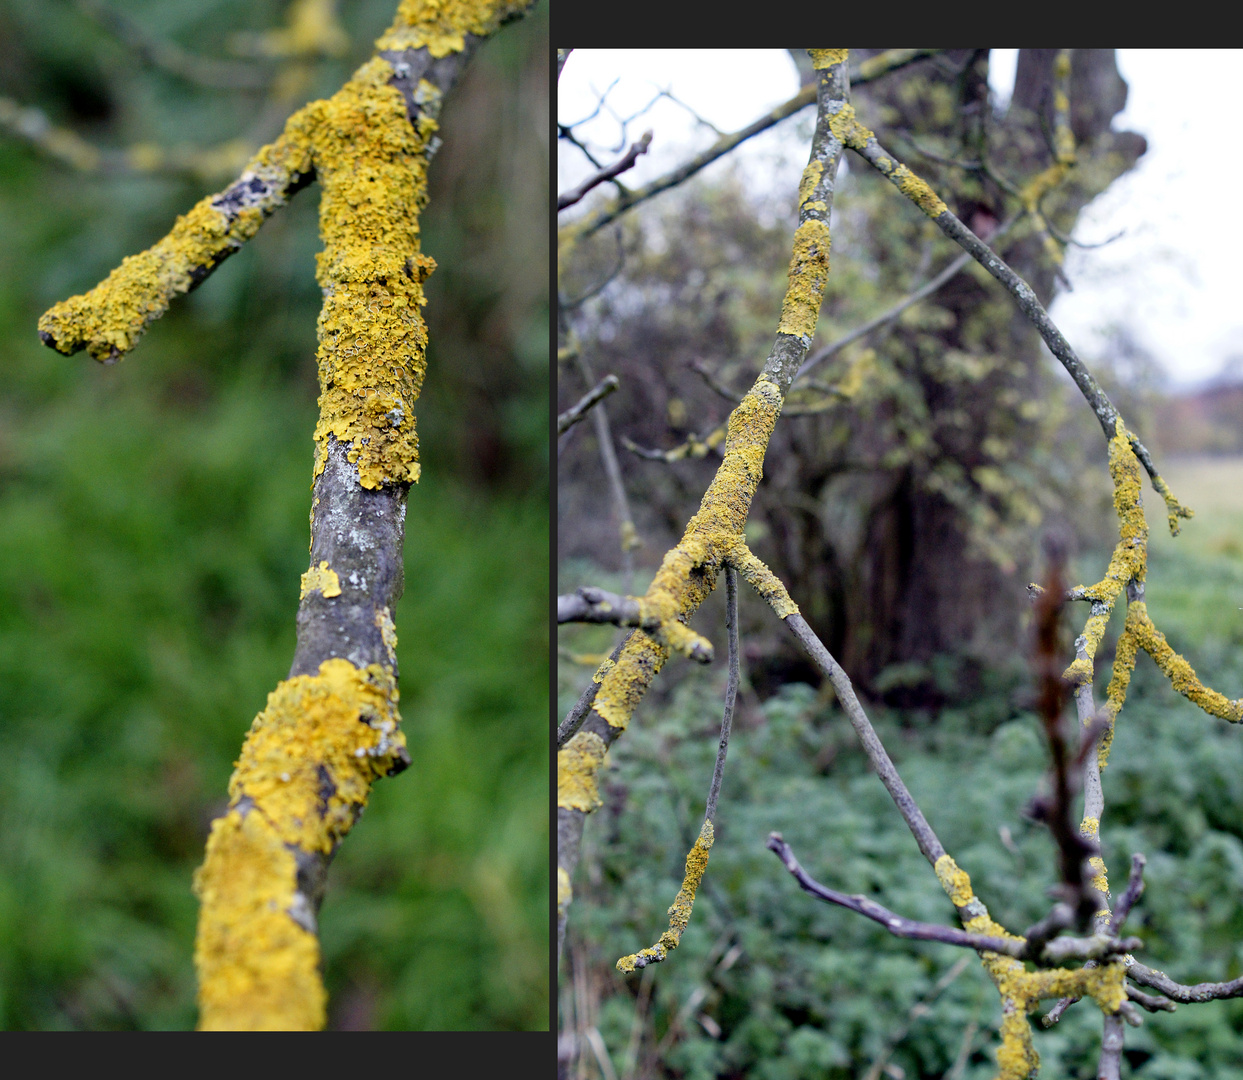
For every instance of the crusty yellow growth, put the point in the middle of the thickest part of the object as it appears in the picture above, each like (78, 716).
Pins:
(763, 580)
(827, 58)
(441, 26)
(847, 129)
(810, 178)
(388, 631)
(623, 684)
(1090, 827)
(322, 578)
(109, 320)
(605, 666)
(680, 909)
(955, 881)
(578, 763)
(1130, 557)
(565, 891)
(311, 755)
(918, 191)
(372, 165)
(1181, 674)
(809, 272)
(258, 968)
(1173, 508)
(1019, 988)
(302, 780)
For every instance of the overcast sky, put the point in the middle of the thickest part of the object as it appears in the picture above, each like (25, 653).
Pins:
(1173, 278)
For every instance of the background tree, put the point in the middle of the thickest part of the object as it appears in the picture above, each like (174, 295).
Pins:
(811, 999)
(154, 523)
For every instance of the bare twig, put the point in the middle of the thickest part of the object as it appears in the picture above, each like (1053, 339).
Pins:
(1150, 1001)
(731, 689)
(591, 605)
(618, 167)
(1134, 890)
(594, 396)
(895, 924)
(1158, 980)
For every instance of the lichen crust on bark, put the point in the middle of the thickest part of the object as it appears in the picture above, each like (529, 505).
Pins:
(301, 782)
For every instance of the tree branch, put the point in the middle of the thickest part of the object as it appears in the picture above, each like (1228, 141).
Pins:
(626, 161)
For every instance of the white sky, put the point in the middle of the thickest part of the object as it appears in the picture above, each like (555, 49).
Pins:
(1174, 278)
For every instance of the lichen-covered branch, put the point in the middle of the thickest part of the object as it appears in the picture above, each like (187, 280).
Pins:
(863, 141)
(331, 728)
(688, 572)
(697, 858)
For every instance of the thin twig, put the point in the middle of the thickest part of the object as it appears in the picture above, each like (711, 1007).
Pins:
(1158, 980)
(731, 689)
(618, 167)
(578, 411)
(578, 712)
(895, 924)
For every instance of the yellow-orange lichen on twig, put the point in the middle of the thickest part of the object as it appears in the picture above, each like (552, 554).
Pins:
(302, 780)
(1020, 989)
(680, 909)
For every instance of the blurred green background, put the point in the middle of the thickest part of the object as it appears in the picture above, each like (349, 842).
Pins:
(153, 527)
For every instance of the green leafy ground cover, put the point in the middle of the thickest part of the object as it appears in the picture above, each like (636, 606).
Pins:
(769, 983)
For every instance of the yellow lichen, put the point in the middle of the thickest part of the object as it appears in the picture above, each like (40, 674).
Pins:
(680, 909)
(322, 578)
(372, 165)
(955, 881)
(441, 26)
(918, 191)
(827, 58)
(388, 632)
(847, 129)
(1130, 557)
(302, 780)
(605, 667)
(565, 893)
(763, 580)
(809, 180)
(258, 968)
(1090, 826)
(809, 273)
(623, 684)
(1181, 674)
(308, 762)
(578, 763)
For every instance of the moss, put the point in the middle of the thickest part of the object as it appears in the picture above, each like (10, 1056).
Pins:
(578, 762)
(322, 579)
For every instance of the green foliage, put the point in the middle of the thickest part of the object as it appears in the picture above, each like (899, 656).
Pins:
(153, 527)
(800, 989)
